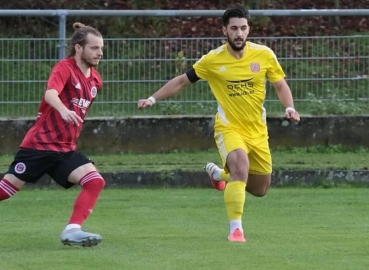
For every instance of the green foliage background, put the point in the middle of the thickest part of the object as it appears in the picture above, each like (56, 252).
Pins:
(322, 95)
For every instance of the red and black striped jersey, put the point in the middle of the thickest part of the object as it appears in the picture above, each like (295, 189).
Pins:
(50, 132)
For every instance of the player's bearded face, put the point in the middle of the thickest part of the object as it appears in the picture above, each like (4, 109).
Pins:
(92, 51)
(237, 43)
(89, 59)
(236, 32)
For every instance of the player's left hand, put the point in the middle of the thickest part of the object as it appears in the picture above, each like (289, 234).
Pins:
(292, 115)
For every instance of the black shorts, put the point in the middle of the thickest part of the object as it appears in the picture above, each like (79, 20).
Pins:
(30, 165)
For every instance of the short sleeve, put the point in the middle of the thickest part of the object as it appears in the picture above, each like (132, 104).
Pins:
(201, 68)
(98, 80)
(275, 72)
(58, 78)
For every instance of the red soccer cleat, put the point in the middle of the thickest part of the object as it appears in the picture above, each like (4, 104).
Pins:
(237, 236)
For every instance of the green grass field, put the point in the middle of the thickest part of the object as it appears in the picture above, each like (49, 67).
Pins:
(311, 158)
(187, 228)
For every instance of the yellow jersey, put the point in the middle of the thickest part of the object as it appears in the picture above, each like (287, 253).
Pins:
(239, 85)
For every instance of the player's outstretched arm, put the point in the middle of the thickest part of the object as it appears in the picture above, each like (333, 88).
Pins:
(285, 96)
(171, 88)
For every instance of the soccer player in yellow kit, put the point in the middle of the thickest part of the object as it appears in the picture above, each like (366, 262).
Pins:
(236, 73)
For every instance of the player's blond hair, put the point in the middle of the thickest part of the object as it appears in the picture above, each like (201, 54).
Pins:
(80, 37)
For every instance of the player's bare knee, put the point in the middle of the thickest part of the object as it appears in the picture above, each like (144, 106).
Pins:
(239, 174)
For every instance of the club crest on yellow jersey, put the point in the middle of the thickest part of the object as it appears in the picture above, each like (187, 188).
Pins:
(255, 67)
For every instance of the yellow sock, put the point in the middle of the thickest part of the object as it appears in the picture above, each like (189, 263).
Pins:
(224, 176)
(234, 198)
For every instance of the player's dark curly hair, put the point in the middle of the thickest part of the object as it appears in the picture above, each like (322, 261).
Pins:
(80, 37)
(235, 12)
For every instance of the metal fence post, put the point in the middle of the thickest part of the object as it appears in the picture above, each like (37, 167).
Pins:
(62, 14)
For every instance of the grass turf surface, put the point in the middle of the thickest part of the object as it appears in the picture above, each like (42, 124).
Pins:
(311, 158)
(187, 229)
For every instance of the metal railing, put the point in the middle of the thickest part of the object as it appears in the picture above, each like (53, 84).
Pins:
(326, 74)
(62, 15)
(319, 69)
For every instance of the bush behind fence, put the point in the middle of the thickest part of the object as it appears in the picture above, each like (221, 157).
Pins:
(327, 74)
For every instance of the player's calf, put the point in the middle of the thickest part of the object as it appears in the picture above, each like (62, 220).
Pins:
(258, 185)
(92, 184)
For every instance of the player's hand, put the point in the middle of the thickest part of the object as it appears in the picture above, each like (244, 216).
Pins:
(292, 115)
(143, 103)
(70, 117)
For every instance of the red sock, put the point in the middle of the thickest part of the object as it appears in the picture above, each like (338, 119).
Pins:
(7, 189)
(92, 184)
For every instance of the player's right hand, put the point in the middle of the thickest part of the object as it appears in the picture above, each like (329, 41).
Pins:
(71, 117)
(292, 115)
(143, 103)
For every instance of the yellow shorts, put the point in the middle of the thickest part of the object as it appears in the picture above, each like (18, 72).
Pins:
(258, 151)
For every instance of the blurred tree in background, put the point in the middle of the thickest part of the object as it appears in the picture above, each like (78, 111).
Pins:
(180, 26)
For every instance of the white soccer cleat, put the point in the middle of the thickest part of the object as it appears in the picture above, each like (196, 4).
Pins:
(210, 168)
(79, 237)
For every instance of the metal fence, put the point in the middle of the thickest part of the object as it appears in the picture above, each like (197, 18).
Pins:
(326, 74)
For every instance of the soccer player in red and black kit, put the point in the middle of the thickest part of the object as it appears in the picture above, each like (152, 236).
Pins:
(49, 146)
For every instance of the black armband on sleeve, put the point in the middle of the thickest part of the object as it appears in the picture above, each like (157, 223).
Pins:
(191, 75)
